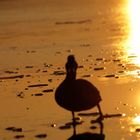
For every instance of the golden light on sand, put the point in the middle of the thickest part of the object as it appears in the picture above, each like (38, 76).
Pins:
(133, 41)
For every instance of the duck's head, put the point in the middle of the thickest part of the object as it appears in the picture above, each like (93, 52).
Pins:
(71, 67)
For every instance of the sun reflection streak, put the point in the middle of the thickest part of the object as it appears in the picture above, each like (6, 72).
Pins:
(134, 10)
(133, 41)
(136, 120)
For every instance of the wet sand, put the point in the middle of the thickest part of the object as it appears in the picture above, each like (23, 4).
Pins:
(36, 39)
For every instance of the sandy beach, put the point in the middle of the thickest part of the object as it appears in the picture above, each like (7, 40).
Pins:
(35, 39)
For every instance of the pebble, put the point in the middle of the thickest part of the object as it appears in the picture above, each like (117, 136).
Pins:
(21, 95)
(50, 80)
(53, 125)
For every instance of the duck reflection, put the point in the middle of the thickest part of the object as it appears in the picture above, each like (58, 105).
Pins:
(89, 135)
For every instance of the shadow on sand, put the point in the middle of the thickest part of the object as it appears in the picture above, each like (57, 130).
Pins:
(88, 135)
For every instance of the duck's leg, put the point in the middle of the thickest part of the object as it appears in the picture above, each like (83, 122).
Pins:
(73, 123)
(101, 117)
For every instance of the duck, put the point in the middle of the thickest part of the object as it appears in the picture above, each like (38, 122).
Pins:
(77, 94)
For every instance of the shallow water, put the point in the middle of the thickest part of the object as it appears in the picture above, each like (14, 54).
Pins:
(35, 40)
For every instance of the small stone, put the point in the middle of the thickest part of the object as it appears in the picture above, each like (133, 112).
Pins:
(50, 80)
(53, 125)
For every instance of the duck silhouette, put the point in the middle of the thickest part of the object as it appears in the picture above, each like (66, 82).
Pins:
(77, 94)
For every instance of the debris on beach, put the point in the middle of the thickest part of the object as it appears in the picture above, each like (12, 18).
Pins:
(21, 95)
(48, 90)
(87, 75)
(70, 50)
(65, 127)
(28, 75)
(11, 72)
(85, 45)
(19, 136)
(37, 94)
(93, 127)
(110, 75)
(137, 130)
(29, 67)
(121, 71)
(116, 60)
(14, 129)
(59, 73)
(100, 59)
(53, 125)
(47, 65)
(74, 22)
(99, 68)
(41, 136)
(38, 85)
(50, 80)
(81, 66)
(44, 71)
(30, 51)
(12, 77)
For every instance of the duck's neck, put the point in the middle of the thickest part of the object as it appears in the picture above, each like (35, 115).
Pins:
(71, 74)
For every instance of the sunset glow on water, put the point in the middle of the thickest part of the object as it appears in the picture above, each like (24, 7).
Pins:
(35, 39)
(133, 41)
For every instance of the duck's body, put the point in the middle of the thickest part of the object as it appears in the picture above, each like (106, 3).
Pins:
(77, 95)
